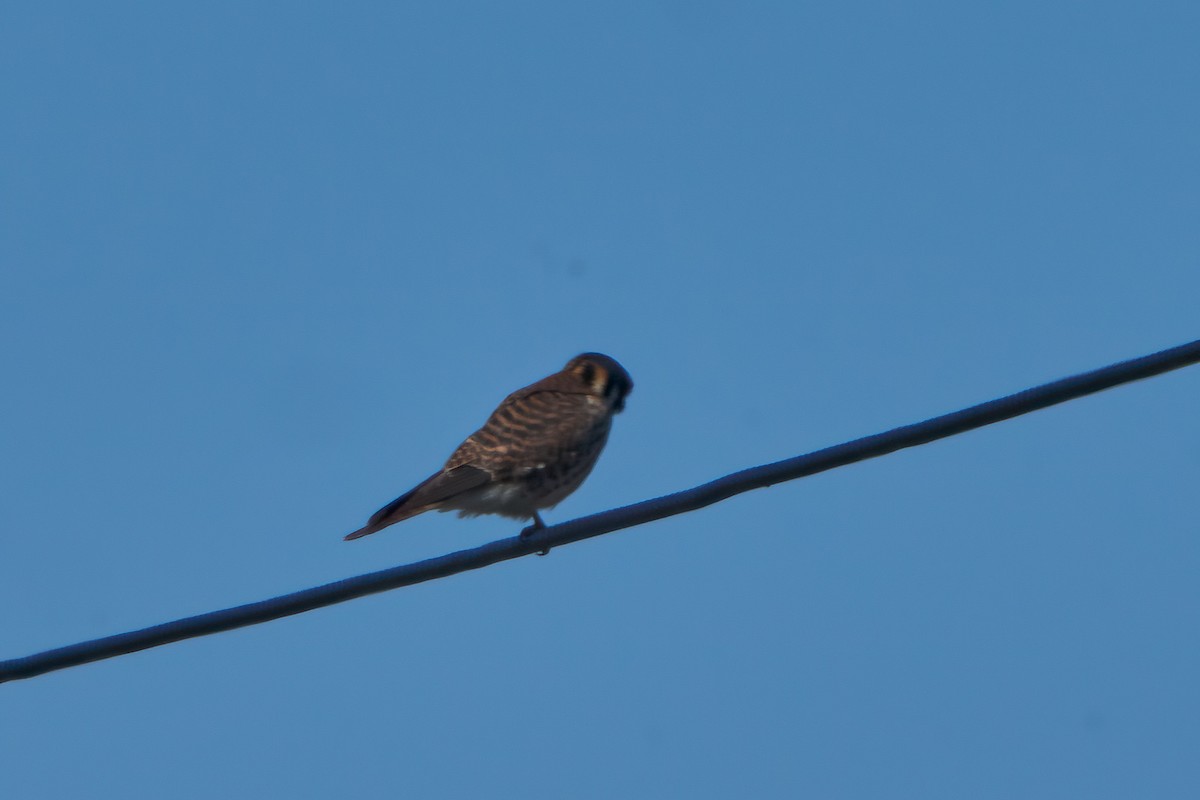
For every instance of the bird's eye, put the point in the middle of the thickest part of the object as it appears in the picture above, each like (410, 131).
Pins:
(588, 374)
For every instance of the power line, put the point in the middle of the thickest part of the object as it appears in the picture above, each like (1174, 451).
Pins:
(576, 530)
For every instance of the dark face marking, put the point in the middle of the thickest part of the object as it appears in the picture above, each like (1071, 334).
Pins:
(588, 373)
(615, 390)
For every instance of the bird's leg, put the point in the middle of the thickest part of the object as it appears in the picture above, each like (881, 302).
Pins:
(534, 528)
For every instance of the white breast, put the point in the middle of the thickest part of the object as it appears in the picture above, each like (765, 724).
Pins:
(505, 499)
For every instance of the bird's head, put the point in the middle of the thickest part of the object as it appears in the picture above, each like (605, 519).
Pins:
(603, 377)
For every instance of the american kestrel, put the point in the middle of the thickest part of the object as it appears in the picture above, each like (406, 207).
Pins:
(534, 450)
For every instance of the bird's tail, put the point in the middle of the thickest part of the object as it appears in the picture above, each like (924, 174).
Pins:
(429, 494)
(398, 510)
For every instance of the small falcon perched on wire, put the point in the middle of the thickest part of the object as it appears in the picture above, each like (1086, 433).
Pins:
(534, 450)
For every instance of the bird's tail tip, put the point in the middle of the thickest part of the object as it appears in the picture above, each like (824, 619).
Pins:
(358, 534)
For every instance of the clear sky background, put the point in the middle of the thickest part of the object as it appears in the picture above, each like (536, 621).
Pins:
(264, 265)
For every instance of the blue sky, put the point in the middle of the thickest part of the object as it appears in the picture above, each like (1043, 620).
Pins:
(264, 265)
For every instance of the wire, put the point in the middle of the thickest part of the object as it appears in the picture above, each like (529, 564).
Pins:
(576, 530)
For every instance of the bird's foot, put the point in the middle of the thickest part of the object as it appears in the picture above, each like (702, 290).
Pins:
(534, 528)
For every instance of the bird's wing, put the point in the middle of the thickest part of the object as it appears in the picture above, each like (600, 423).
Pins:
(531, 428)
